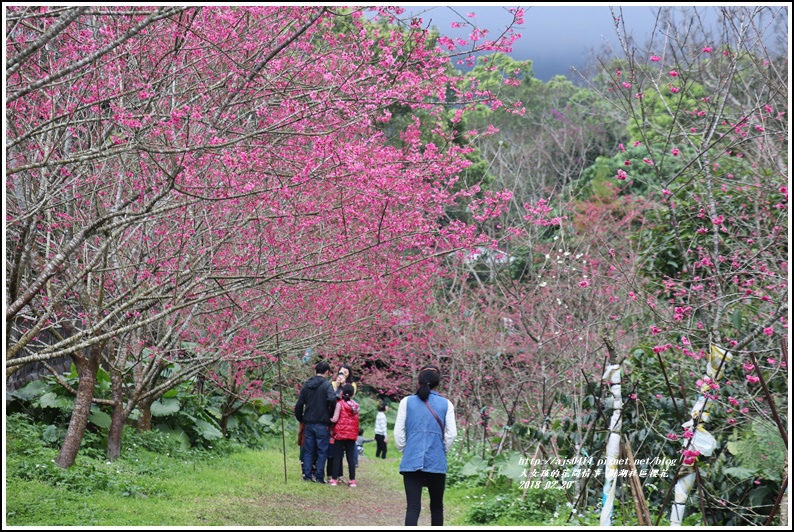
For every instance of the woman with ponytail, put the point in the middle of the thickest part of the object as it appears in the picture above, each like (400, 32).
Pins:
(424, 432)
(345, 434)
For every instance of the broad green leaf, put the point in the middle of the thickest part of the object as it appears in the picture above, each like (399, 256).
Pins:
(475, 466)
(757, 496)
(31, 390)
(50, 434)
(736, 319)
(739, 472)
(513, 470)
(734, 447)
(102, 376)
(99, 418)
(53, 400)
(176, 434)
(165, 407)
(207, 430)
(173, 392)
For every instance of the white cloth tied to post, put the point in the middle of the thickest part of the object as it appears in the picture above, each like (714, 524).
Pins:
(701, 441)
(612, 375)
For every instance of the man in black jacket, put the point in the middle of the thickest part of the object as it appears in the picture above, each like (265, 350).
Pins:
(314, 409)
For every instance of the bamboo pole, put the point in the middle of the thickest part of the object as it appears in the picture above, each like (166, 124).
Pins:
(498, 452)
(532, 465)
(281, 406)
(640, 504)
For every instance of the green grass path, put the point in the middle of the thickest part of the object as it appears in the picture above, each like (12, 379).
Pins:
(243, 489)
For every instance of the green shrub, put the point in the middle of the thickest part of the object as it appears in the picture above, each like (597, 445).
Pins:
(505, 509)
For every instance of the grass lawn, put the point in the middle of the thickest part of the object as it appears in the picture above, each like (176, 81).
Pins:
(246, 488)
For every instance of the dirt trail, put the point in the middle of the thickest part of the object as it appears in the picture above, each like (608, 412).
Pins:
(378, 500)
(373, 502)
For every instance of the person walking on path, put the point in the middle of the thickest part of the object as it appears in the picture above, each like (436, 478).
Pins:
(345, 435)
(381, 429)
(424, 432)
(316, 402)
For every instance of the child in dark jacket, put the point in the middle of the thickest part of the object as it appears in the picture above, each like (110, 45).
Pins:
(345, 434)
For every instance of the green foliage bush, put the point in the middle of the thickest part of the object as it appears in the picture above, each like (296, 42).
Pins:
(537, 507)
(183, 418)
(29, 457)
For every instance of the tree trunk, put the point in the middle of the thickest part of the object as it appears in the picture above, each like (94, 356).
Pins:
(224, 423)
(117, 417)
(87, 366)
(145, 421)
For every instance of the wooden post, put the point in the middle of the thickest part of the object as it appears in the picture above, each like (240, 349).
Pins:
(281, 405)
(640, 504)
(498, 452)
(531, 469)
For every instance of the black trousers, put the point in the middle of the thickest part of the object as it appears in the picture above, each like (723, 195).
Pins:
(414, 482)
(380, 441)
(348, 448)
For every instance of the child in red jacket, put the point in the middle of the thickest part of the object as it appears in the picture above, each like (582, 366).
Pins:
(345, 434)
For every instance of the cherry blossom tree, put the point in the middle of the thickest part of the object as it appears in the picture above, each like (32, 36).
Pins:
(182, 175)
(708, 126)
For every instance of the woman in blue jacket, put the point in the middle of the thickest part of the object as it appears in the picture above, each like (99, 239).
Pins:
(424, 432)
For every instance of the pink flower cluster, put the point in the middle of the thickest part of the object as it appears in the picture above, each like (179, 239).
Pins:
(690, 456)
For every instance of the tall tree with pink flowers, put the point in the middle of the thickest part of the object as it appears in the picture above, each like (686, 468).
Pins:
(204, 176)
